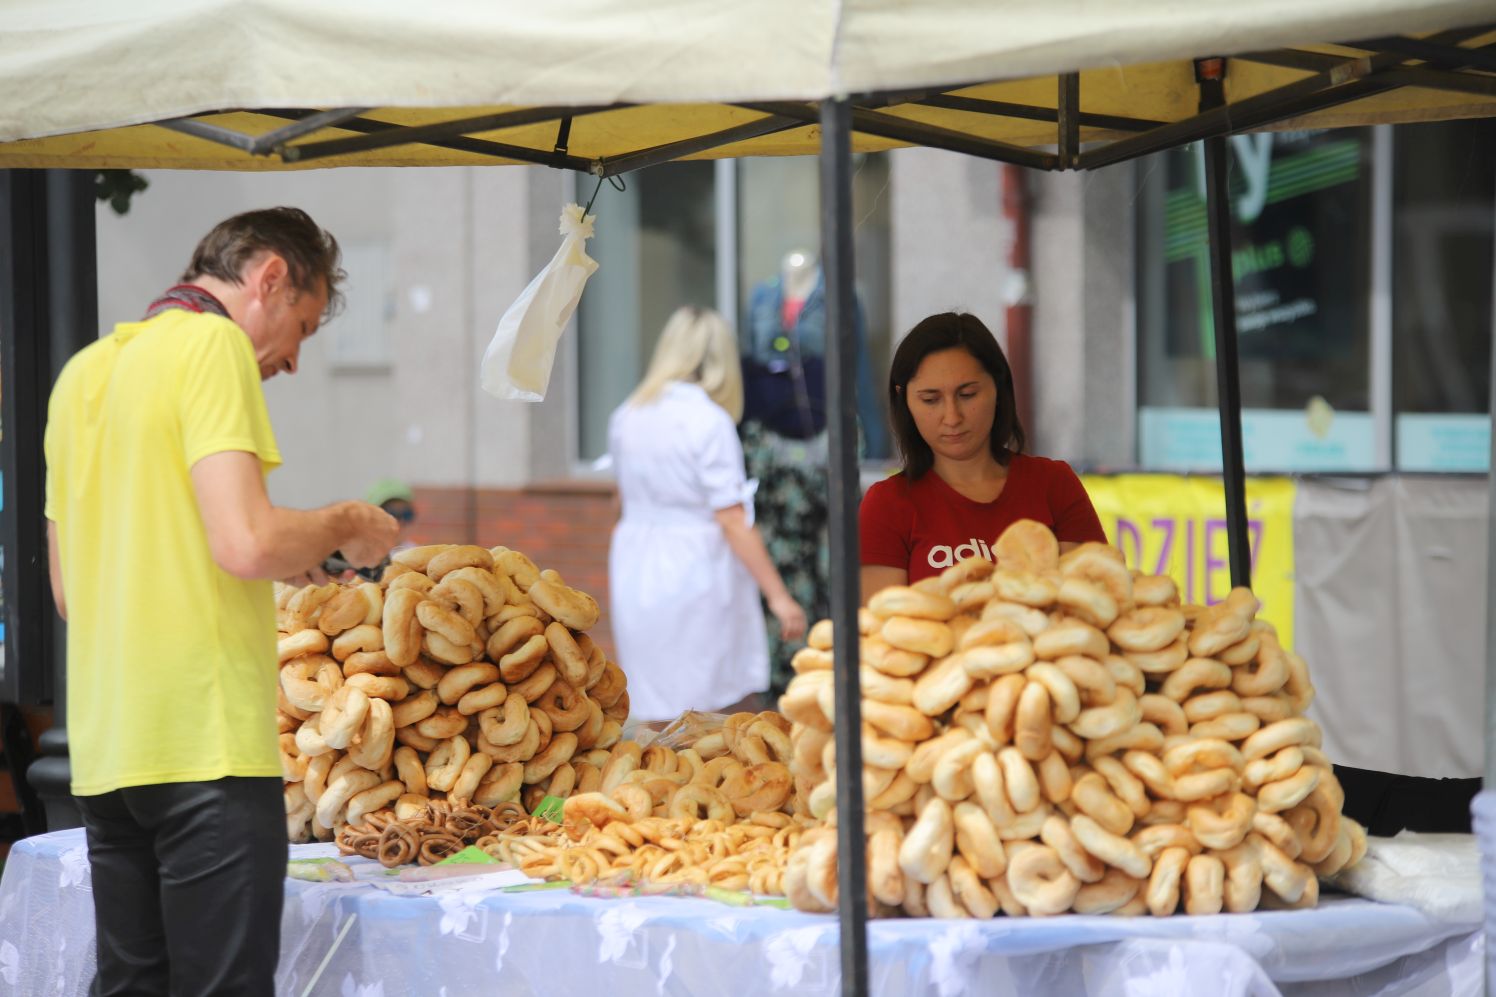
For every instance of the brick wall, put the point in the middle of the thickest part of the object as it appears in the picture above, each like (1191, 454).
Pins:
(564, 526)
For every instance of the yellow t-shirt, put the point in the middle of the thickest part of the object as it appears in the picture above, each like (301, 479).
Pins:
(171, 660)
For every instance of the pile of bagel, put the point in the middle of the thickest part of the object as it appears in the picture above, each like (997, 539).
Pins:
(1058, 734)
(465, 675)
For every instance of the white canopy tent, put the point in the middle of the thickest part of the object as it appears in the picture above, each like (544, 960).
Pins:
(602, 88)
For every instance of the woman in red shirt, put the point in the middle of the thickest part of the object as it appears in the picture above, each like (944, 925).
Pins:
(965, 477)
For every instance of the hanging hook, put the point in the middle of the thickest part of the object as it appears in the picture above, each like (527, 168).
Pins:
(615, 182)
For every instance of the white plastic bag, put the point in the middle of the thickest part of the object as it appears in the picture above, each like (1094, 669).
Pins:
(517, 363)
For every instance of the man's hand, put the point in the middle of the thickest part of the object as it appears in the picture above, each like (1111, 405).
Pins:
(373, 534)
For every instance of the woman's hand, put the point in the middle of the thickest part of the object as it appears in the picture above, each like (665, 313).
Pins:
(790, 616)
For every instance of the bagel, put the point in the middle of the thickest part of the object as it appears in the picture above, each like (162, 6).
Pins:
(1195, 675)
(1163, 661)
(442, 723)
(1030, 620)
(903, 600)
(370, 662)
(1109, 895)
(977, 841)
(424, 674)
(302, 642)
(1164, 880)
(567, 655)
(342, 716)
(410, 770)
(445, 763)
(952, 777)
(1219, 627)
(1094, 681)
(558, 752)
(485, 697)
(435, 645)
(512, 634)
(1097, 722)
(451, 558)
(413, 709)
(1127, 786)
(1141, 736)
(1088, 601)
(413, 580)
(1001, 711)
(1287, 793)
(927, 846)
(1147, 628)
(1020, 782)
(1025, 587)
(698, 802)
(939, 688)
(1154, 590)
(886, 690)
(1222, 821)
(343, 611)
(1274, 737)
(1243, 887)
(535, 685)
(522, 662)
(1209, 705)
(1227, 726)
(1063, 694)
(1094, 798)
(390, 687)
(332, 803)
(572, 607)
(1164, 712)
(1156, 837)
(762, 787)
(459, 680)
(462, 597)
(879, 654)
(1263, 674)
(567, 707)
(402, 630)
(1041, 882)
(903, 722)
(1027, 544)
(1071, 636)
(360, 805)
(610, 686)
(922, 636)
(1084, 866)
(1032, 720)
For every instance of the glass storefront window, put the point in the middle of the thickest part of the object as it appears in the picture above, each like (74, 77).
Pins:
(779, 216)
(1300, 237)
(1444, 218)
(656, 250)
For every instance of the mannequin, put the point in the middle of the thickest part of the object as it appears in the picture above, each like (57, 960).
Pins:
(798, 273)
(784, 430)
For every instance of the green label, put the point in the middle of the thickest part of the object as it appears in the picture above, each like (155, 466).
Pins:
(550, 809)
(471, 855)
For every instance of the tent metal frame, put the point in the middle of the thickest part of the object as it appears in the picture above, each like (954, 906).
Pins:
(1442, 63)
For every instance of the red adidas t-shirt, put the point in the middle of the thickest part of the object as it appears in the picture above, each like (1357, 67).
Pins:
(925, 526)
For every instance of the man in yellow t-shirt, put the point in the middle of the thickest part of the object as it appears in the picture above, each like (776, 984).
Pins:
(163, 542)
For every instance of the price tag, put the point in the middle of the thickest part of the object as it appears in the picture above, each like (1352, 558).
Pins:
(550, 809)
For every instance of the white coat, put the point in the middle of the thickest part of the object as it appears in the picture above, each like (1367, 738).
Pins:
(686, 615)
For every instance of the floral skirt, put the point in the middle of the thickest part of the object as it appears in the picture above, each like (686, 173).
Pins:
(792, 509)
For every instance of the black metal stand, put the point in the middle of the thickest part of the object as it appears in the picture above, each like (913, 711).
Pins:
(1223, 300)
(846, 493)
(48, 311)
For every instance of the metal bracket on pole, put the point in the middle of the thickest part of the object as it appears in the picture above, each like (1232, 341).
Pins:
(846, 493)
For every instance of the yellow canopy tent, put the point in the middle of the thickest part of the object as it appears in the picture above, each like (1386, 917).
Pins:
(604, 88)
(597, 86)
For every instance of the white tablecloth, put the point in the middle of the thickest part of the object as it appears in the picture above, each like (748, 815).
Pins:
(476, 941)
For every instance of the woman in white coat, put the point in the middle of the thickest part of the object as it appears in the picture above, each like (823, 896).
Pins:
(686, 565)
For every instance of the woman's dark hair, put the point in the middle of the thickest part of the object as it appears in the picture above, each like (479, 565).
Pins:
(946, 331)
(310, 251)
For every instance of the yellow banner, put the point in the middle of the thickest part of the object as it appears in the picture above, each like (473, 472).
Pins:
(1176, 526)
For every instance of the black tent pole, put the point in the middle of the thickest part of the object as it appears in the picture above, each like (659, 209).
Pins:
(1223, 300)
(846, 493)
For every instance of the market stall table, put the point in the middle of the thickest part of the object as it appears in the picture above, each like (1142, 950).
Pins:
(467, 938)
